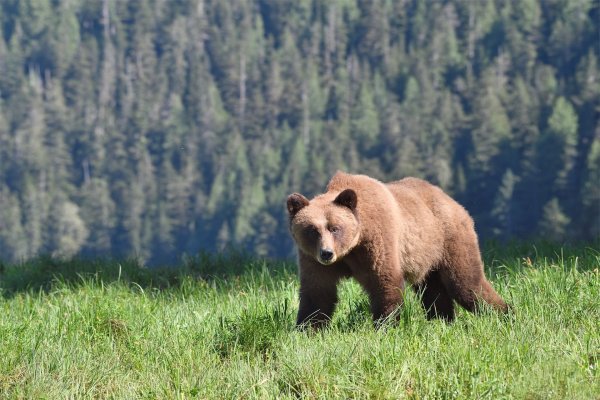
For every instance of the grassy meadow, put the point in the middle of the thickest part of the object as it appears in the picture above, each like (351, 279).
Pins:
(223, 327)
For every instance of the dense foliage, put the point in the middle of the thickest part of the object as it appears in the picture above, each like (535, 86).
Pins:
(161, 127)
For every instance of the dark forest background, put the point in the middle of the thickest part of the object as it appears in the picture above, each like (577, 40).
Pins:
(159, 128)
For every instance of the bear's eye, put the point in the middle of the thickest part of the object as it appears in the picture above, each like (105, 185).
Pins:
(312, 231)
(334, 229)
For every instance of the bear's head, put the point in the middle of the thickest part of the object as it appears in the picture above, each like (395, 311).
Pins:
(327, 227)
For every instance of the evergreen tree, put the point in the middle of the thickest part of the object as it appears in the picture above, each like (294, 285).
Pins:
(590, 216)
(364, 124)
(98, 214)
(489, 131)
(554, 223)
(68, 231)
(12, 236)
(504, 207)
(558, 148)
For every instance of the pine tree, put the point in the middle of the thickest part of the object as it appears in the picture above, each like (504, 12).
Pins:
(98, 214)
(554, 223)
(372, 32)
(558, 147)
(34, 210)
(522, 21)
(11, 64)
(364, 124)
(590, 193)
(12, 236)
(69, 233)
(504, 207)
(490, 129)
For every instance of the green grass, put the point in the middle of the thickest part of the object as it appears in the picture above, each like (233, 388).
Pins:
(223, 327)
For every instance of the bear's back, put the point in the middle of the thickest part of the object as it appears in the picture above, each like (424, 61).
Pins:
(416, 199)
(446, 210)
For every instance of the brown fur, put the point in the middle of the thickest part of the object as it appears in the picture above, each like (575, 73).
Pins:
(383, 234)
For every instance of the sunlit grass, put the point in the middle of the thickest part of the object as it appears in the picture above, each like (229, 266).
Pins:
(224, 328)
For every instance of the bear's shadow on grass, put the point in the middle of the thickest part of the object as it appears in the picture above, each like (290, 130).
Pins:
(44, 273)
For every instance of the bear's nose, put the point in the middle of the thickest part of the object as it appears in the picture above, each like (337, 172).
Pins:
(326, 254)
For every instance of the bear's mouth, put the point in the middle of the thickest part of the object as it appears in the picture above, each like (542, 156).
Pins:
(326, 262)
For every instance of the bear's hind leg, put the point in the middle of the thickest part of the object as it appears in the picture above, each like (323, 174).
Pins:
(471, 297)
(435, 298)
(490, 296)
(467, 284)
(463, 276)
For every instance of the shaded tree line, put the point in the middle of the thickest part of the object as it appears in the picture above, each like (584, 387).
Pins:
(158, 127)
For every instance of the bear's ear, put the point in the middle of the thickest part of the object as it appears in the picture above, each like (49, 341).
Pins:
(295, 203)
(347, 198)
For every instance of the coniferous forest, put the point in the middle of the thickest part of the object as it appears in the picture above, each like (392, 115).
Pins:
(158, 128)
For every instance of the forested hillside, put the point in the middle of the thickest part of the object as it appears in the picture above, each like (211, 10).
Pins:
(161, 127)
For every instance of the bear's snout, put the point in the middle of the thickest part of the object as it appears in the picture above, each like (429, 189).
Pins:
(326, 255)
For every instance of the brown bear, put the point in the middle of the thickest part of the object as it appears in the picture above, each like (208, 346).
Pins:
(383, 234)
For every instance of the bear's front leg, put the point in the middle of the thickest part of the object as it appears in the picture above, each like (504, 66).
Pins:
(317, 304)
(318, 292)
(385, 293)
(385, 303)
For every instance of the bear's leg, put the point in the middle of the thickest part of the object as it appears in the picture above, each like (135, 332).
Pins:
(317, 303)
(385, 294)
(318, 292)
(471, 296)
(465, 281)
(435, 298)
